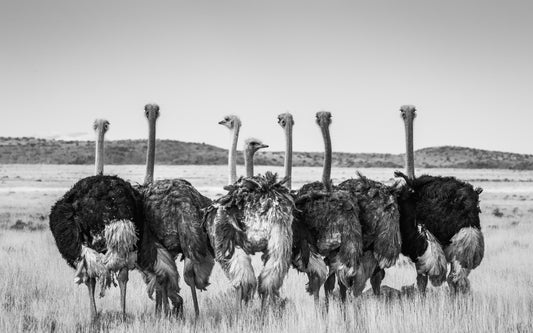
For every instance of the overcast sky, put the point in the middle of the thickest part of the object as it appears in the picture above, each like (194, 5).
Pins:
(466, 65)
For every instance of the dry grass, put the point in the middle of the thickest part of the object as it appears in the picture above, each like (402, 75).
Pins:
(37, 292)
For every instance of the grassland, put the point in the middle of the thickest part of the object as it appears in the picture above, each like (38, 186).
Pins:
(37, 292)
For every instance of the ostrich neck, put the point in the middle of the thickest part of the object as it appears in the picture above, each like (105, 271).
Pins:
(249, 162)
(326, 172)
(99, 152)
(288, 154)
(409, 153)
(150, 153)
(232, 158)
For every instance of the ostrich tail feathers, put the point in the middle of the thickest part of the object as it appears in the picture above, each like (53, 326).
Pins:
(433, 261)
(120, 237)
(240, 272)
(164, 270)
(197, 273)
(279, 250)
(316, 268)
(467, 247)
(90, 265)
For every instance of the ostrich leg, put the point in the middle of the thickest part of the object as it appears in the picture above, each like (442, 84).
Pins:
(158, 302)
(122, 282)
(195, 301)
(422, 282)
(375, 280)
(164, 296)
(91, 284)
(329, 285)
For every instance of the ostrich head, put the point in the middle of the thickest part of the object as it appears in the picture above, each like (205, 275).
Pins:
(230, 122)
(408, 112)
(252, 145)
(323, 118)
(151, 111)
(285, 119)
(101, 125)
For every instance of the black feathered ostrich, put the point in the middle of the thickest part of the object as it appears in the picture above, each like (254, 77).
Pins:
(328, 219)
(173, 212)
(305, 256)
(254, 216)
(380, 221)
(446, 207)
(97, 225)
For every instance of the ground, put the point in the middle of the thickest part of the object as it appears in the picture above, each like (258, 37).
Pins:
(37, 292)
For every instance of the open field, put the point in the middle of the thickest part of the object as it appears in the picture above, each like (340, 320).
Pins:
(37, 292)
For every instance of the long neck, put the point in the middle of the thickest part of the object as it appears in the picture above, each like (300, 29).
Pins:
(409, 153)
(326, 172)
(288, 154)
(232, 158)
(150, 153)
(99, 152)
(249, 162)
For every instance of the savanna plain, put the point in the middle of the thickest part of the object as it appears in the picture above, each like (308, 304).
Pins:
(37, 291)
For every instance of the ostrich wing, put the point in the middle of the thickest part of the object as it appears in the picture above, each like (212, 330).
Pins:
(333, 220)
(380, 218)
(81, 215)
(445, 205)
(173, 209)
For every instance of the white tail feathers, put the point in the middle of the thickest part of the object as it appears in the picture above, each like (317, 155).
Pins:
(467, 247)
(90, 265)
(121, 238)
(240, 272)
(279, 251)
(433, 262)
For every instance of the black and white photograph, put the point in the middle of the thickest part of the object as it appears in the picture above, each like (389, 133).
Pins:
(266, 166)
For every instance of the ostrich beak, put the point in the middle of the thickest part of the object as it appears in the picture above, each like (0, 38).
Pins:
(221, 122)
(262, 146)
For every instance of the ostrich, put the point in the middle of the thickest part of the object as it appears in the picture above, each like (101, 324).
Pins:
(254, 216)
(380, 221)
(97, 225)
(233, 123)
(305, 256)
(173, 212)
(449, 209)
(331, 219)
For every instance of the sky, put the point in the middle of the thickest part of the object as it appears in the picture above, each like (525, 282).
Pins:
(466, 65)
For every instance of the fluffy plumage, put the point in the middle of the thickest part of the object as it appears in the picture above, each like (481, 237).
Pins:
(255, 216)
(379, 217)
(330, 220)
(81, 216)
(449, 209)
(173, 211)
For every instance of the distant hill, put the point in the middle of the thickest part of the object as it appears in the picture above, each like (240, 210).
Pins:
(42, 151)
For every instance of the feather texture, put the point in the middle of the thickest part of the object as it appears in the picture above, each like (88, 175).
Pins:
(93, 204)
(174, 212)
(379, 217)
(254, 216)
(332, 219)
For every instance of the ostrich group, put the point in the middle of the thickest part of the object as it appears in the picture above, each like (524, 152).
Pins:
(348, 234)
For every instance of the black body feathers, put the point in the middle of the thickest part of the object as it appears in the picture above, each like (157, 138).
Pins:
(80, 216)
